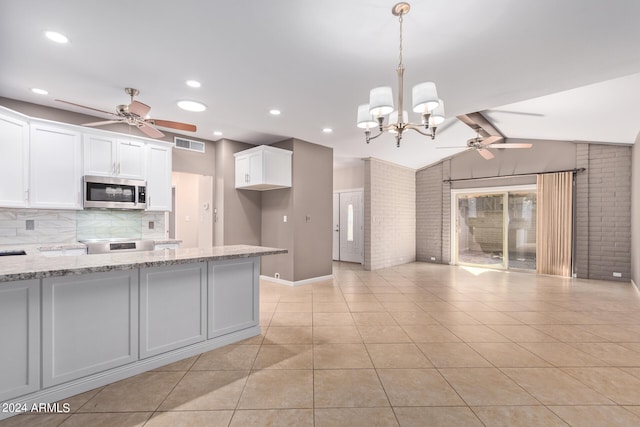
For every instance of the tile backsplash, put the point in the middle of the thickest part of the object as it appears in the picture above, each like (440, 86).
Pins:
(66, 226)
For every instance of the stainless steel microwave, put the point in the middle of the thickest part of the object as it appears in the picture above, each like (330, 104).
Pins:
(114, 193)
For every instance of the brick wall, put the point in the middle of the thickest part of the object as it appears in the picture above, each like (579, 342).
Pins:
(429, 214)
(609, 212)
(602, 203)
(581, 228)
(390, 215)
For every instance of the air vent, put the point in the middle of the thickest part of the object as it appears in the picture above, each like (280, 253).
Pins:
(188, 144)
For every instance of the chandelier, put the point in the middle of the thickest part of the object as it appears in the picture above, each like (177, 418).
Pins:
(425, 102)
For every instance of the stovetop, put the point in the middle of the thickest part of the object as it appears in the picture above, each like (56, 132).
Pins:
(103, 246)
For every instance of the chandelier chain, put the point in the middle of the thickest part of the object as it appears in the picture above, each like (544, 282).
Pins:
(400, 56)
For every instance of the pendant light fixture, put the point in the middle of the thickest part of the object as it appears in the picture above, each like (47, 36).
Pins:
(425, 102)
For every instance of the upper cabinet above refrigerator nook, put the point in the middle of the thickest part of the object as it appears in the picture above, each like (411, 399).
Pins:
(263, 168)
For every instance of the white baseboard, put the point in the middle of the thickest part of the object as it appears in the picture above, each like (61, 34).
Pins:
(298, 282)
(635, 284)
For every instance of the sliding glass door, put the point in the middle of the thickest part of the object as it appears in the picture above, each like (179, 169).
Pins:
(495, 227)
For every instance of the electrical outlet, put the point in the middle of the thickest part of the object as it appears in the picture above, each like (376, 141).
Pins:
(30, 224)
(284, 218)
(151, 225)
(616, 274)
(432, 258)
(277, 275)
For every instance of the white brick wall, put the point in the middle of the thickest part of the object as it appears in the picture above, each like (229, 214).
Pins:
(390, 214)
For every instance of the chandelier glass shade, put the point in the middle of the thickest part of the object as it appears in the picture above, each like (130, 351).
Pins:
(425, 102)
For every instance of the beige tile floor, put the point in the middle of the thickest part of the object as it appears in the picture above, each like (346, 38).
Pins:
(415, 345)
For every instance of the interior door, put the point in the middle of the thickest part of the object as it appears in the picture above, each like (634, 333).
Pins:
(351, 226)
(336, 226)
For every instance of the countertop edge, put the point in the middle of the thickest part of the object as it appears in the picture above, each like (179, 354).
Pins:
(161, 257)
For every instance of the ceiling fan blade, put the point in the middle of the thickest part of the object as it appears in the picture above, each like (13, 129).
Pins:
(139, 109)
(150, 130)
(519, 113)
(488, 155)
(513, 145)
(106, 122)
(84, 106)
(491, 140)
(173, 125)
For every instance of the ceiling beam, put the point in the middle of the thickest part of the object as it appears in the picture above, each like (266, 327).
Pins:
(479, 123)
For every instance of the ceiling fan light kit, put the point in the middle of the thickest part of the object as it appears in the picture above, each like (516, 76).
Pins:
(425, 102)
(136, 114)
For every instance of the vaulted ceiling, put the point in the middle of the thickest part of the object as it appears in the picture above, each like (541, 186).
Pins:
(543, 69)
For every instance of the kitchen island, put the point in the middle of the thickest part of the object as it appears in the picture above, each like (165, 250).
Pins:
(73, 323)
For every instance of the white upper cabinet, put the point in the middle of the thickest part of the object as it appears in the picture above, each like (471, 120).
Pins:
(158, 177)
(14, 155)
(55, 167)
(263, 168)
(107, 155)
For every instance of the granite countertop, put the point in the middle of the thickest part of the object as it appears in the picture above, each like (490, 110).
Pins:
(37, 266)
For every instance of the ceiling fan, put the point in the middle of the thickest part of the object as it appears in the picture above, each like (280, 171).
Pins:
(487, 136)
(481, 145)
(135, 114)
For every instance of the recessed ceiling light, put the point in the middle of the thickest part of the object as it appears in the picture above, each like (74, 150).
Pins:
(217, 133)
(56, 37)
(39, 91)
(193, 83)
(327, 130)
(274, 112)
(192, 106)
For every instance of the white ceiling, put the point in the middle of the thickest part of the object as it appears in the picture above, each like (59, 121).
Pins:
(551, 69)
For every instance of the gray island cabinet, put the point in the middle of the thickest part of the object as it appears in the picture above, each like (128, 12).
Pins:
(71, 324)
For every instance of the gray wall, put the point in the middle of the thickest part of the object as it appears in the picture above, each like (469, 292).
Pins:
(635, 213)
(603, 219)
(237, 213)
(308, 206)
(275, 232)
(389, 215)
(349, 178)
(603, 212)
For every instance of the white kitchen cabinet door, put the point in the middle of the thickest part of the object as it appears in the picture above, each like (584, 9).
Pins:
(20, 332)
(99, 154)
(106, 155)
(263, 168)
(131, 158)
(89, 324)
(55, 168)
(14, 162)
(233, 295)
(248, 170)
(158, 178)
(173, 307)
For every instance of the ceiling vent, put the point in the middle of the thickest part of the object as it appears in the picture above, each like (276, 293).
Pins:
(188, 144)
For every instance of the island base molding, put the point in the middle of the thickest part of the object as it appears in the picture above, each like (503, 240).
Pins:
(60, 392)
(297, 282)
